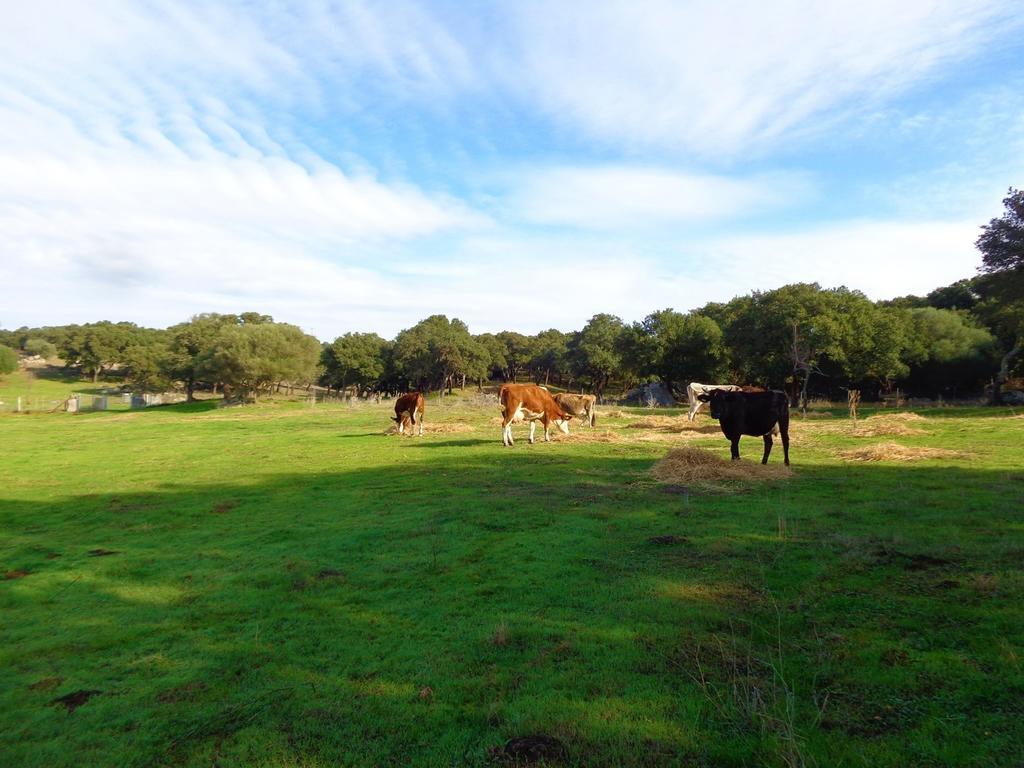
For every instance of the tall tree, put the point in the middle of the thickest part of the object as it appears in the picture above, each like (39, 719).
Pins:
(253, 357)
(188, 342)
(550, 350)
(677, 348)
(356, 359)
(435, 351)
(1002, 259)
(8, 360)
(596, 351)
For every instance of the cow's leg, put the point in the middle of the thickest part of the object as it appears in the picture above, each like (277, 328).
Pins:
(506, 434)
(421, 423)
(593, 418)
(401, 423)
(767, 448)
(735, 447)
(533, 427)
(693, 410)
(547, 431)
(784, 431)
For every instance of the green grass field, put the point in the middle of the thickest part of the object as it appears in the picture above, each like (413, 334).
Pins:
(279, 585)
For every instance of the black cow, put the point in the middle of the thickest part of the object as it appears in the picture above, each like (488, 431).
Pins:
(751, 413)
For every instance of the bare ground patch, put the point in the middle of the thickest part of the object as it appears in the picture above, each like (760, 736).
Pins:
(75, 699)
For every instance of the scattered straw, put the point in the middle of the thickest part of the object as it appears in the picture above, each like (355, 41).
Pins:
(447, 428)
(896, 452)
(697, 467)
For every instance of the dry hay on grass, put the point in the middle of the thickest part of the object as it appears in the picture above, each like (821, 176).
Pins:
(706, 470)
(879, 425)
(447, 428)
(674, 424)
(614, 413)
(884, 424)
(895, 452)
(434, 428)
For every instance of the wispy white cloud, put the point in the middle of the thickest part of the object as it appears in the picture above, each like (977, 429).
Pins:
(161, 159)
(625, 197)
(729, 78)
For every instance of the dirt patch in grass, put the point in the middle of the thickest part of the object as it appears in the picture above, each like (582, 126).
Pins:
(667, 540)
(179, 693)
(46, 684)
(895, 452)
(909, 561)
(75, 699)
(222, 507)
(330, 574)
(534, 749)
(100, 552)
(705, 470)
(15, 574)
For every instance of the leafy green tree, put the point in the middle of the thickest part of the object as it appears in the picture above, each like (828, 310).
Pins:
(41, 347)
(253, 357)
(435, 351)
(146, 366)
(98, 346)
(8, 360)
(518, 353)
(596, 351)
(678, 349)
(187, 344)
(494, 351)
(1002, 261)
(948, 353)
(356, 359)
(550, 354)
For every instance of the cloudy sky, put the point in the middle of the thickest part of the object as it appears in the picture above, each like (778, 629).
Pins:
(354, 166)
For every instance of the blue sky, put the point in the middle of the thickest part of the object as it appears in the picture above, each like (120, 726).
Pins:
(354, 166)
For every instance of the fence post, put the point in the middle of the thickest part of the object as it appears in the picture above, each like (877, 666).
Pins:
(19, 404)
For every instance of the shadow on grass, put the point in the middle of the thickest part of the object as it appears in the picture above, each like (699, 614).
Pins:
(424, 616)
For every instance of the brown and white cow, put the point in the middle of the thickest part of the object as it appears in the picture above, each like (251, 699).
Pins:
(409, 409)
(578, 405)
(529, 402)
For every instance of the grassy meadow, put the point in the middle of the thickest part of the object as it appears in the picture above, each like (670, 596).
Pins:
(285, 585)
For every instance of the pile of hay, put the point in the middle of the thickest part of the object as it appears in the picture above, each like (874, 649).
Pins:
(706, 470)
(446, 428)
(884, 424)
(895, 452)
(675, 424)
(666, 423)
(433, 428)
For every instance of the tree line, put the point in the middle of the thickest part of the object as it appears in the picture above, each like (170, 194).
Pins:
(808, 340)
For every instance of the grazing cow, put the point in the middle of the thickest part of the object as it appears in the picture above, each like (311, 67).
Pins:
(409, 408)
(751, 413)
(695, 390)
(578, 405)
(531, 403)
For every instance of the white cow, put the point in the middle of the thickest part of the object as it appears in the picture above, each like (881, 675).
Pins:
(695, 390)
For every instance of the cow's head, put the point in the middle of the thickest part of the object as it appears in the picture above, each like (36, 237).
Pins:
(723, 403)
